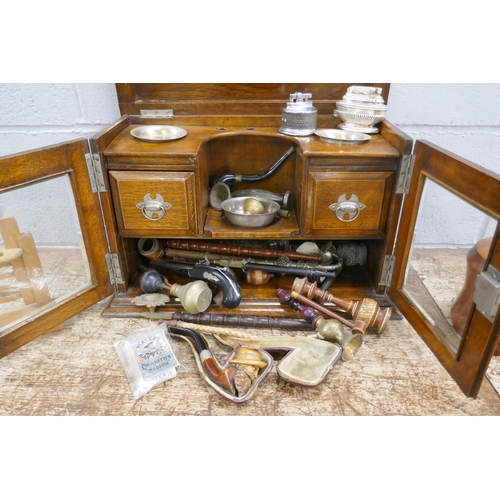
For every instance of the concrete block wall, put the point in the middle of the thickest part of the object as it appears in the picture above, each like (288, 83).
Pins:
(38, 115)
(462, 118)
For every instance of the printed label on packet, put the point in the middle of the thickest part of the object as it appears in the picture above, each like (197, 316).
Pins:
(154, 355)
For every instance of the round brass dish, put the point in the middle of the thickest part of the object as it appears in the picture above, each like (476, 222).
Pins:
(158, 133)
(341, 137)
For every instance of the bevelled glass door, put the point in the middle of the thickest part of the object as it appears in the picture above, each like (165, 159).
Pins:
(53, 242)
(448, 236)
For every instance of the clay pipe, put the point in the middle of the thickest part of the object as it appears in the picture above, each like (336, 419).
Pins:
(357, 327)
(366, 309)
(214, 373)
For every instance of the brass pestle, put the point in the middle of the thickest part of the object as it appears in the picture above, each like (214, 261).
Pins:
(330, 330)
(366, 309)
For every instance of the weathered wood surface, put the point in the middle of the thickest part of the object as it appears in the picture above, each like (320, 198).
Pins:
(77, 372)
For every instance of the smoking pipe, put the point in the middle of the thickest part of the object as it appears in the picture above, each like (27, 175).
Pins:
(219, 276)
(230, 178)
(214, 373)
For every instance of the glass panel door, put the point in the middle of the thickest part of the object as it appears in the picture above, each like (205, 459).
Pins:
(53, 242)
(43, 256)
(448, 234)
(444, 260)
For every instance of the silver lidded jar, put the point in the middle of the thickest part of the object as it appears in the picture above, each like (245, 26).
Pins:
(361, 109)
(300, 116)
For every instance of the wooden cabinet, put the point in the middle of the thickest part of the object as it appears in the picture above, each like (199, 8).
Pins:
(340, 194)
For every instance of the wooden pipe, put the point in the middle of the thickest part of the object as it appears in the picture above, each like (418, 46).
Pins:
(366, 310)
(231, 320)
(241, 251)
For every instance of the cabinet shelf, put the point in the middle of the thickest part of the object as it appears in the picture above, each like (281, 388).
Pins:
(217, 226)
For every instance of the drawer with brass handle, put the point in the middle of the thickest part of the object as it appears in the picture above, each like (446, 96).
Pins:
(154, 203)
(347, 204)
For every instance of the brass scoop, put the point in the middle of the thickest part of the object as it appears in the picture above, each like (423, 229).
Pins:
(252, 206)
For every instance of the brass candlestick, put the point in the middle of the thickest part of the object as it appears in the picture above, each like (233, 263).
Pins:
(330, 330)
(357, 327)
(365, 310)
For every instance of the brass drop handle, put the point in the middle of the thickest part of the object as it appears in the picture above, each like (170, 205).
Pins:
(154, 209)
(347, 210)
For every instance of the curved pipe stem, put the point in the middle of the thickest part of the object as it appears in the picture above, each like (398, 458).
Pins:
(214, 373)
(230, 178)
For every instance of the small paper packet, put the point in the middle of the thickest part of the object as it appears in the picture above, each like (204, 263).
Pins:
(148, 358)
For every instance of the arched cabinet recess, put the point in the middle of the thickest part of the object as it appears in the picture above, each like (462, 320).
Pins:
(131, 195)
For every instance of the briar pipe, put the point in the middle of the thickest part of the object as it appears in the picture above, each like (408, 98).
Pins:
(218, 276)
(214, 373)
(230, 178)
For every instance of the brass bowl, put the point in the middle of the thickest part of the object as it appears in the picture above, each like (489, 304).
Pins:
(235, 213)
(158, 133)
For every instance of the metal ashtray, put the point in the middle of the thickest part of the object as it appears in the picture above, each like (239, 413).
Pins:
(341, 137)
(158, 133)
(237, 215)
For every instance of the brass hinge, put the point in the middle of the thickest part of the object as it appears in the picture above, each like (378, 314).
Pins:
(157, 113)
(387, 269)
(487, 293)
(405, 172)
(114, 270)
(96, 174)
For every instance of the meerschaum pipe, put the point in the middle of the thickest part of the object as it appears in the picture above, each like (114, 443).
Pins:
(307, 363)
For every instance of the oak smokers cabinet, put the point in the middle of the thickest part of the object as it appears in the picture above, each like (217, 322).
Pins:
(235, 128)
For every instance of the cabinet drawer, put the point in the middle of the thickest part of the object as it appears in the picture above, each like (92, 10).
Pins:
(172, 214)
(350, 204)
